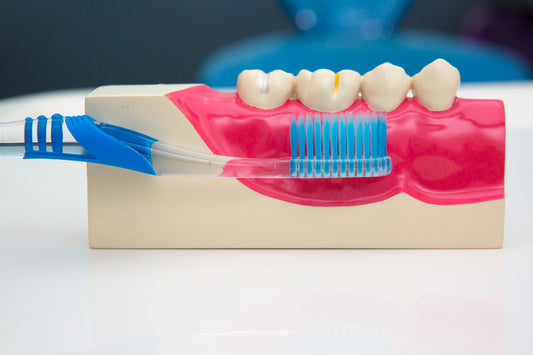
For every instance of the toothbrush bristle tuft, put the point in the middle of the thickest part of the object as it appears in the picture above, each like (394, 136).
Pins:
(339, 145)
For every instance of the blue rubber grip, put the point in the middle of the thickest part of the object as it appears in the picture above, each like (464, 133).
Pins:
(106, 149)
(41, 133)
(105, 144)
(57, 133)
(28, 135)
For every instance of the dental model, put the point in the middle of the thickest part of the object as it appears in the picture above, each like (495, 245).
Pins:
(353, 162)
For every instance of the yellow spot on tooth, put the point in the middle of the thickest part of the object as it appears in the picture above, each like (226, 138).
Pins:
(336, 83)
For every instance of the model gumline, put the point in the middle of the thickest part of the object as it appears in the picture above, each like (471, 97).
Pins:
(384, 88)
(208, 110)
(359, 106)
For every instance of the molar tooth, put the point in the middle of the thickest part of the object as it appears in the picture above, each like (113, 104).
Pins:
(265, 91)
(436, 85)
(385, 87)
(325, 91)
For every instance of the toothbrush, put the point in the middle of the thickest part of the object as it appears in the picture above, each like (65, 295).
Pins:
(322, 146)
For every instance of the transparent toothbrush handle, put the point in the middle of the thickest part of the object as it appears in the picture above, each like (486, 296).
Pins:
(168, 160)
(12, 139)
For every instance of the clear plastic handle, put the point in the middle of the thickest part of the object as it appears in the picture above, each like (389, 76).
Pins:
(12, 139)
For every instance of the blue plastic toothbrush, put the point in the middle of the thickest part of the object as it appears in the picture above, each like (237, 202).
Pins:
(322, 146)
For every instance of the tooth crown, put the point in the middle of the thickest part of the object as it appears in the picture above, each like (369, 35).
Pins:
(385, 87)
(265, 91)
(435, 86)
(325, 91)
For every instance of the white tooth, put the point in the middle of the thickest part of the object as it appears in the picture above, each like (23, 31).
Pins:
(436, 85)
(385, 87)
(265, 91)
(325, 91)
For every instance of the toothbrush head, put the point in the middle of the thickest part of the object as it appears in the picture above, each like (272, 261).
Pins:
(339, 145)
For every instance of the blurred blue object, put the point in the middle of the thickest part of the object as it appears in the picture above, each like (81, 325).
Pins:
(370, 19)
(359, 35)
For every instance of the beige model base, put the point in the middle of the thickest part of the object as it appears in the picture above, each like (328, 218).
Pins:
(133, 210)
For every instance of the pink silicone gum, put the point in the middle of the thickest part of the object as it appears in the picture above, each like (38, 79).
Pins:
(451, 157)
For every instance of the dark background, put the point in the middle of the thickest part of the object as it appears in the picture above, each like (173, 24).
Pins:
(57, 44)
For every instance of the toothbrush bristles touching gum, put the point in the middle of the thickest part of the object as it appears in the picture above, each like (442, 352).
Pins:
(330, 145)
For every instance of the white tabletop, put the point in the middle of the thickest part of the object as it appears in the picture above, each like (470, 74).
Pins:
(57, 296)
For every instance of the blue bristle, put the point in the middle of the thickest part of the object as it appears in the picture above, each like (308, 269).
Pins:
(339, 145)
(367, 140)
(335, 145)
(384, 135)
(359, 144)
(28, 134)
(42, 122)
(350, 130)
(379, 145)
(294, 145)
(310, 148)
(380, 133)
(375, 137)
(327, 144)
(342, 143)
(301, 144)
(318, 145)
(383, 142)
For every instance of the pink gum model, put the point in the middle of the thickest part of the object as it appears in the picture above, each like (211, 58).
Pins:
(445, 158)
